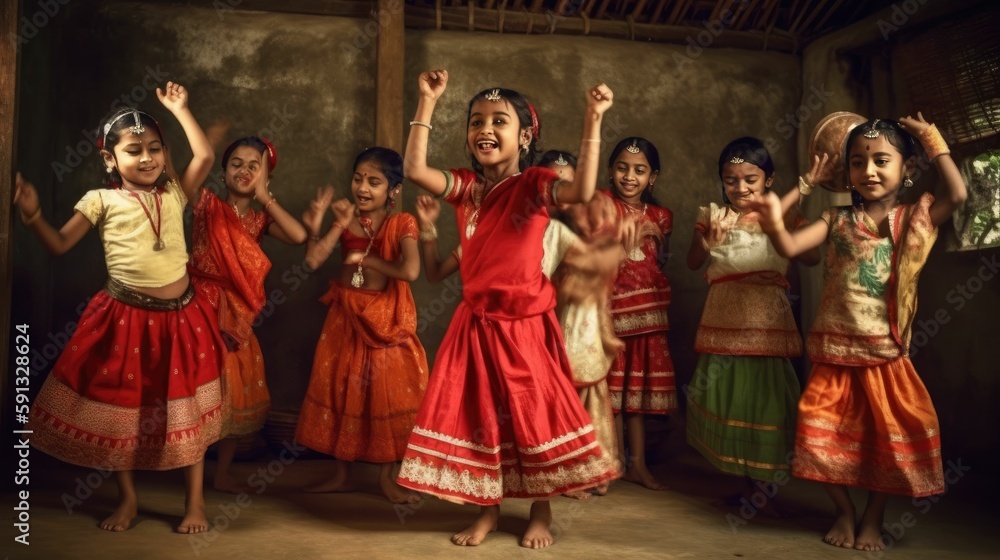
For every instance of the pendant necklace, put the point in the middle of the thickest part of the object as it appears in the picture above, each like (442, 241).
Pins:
(477, 200)
(159, 245)
(358, 279)
(636, 253)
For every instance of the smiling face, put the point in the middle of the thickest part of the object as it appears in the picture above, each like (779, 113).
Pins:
(138, 158)
(877, 168)
(743, 183)
(370, 188)
(244, 166)
(495, 135)
(631, 175)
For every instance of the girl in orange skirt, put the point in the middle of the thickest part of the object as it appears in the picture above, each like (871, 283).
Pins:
(865, 418)
(137, 386)
(228, 267)
(370, 370)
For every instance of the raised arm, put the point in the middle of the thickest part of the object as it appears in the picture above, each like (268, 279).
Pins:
(432, 84)
(581, 189)
(954, 192)
(285, 228)
(435, 269)
(319, 248)
(788, 244)
(175, 98)
(56, 242)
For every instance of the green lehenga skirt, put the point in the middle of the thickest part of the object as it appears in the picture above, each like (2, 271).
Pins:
(741, 413)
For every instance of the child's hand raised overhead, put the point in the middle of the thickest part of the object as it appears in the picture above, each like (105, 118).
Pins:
(914, 125)
(432, 84)
(428, 209)
(343, 210)
(599, 99)
(25, 197)
(174, 97)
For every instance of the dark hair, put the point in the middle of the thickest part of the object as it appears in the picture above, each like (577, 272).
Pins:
(750, 150)
(899, 138)
(652, 156)
(252, 141)
(549, 158)
(389, 162)
(524, 118)
(117, 123)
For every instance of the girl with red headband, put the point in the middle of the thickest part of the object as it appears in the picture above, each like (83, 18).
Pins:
(137, 386)
(228, 267)
(501, 418)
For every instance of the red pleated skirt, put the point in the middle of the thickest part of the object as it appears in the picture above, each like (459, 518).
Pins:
(501, 418)
(871, 427)
(133, 389)
(642, 376)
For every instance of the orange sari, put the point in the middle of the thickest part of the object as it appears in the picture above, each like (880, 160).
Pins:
(370, 370)
(228, 267)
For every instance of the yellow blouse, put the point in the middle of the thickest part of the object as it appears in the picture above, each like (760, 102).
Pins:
(127, 233)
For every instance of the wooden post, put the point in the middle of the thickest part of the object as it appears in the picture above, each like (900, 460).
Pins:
(389, 75)
(8, 157)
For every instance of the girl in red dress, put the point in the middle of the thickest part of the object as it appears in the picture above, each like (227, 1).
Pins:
(228, 267)
(642, 376)
(370, 370)
(137, 386)
(501, 418)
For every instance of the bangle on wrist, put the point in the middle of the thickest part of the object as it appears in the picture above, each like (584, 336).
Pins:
(804, 188)
(428, 233)
(314, 238)
(28, 220)
(423, 124)
(933, 143)
(337, 224)
(270, 202)
(591, 139)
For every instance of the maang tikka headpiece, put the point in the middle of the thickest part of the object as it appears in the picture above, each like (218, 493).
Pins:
(136, 128)
(493, 95)
(737, 160)
(872, 133)
(561, 160)
(633, 148)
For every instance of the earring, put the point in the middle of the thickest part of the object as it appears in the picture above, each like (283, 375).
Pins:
(392, 203)
(907, 182)
(524, 149)
(110, 169)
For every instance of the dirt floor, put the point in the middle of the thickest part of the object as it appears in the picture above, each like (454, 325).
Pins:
(275, 520)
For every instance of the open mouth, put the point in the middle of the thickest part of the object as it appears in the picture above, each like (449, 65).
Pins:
(486, 145)
(361, 199)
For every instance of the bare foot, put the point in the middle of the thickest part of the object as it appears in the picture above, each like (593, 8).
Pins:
(337, 483)
(641, 475)
(485, 524)
(578, 494)
(538, 535)
(226, 483)
(122, 518)
(396, 493)
(601, 489)
(869, 538)
(194, 519)
(842, 532)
